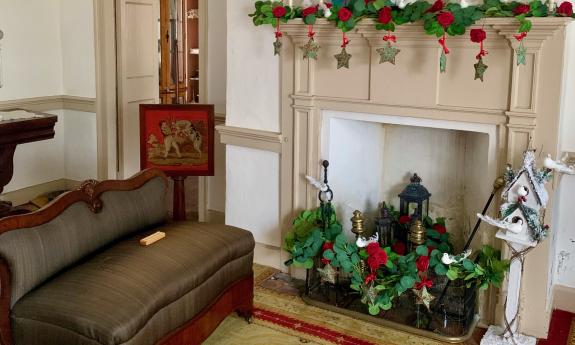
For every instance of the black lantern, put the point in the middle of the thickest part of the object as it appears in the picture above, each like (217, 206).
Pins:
(414, 200)
(383, 226)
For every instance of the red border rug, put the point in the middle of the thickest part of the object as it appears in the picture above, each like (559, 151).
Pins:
(308, 328)
(561, 329)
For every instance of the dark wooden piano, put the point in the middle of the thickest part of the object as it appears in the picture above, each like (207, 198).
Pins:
(18, 126)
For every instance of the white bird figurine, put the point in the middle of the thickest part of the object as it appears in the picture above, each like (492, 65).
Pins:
(453, 259)
(558, 166)
(326, 10)
(522, 191)
(317, 184)
(515, 227)
(362, 242)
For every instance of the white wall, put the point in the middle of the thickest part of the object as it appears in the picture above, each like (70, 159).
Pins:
(78, 56)
(31, 49)
(252, 192)
(564, 232)
(48, 49)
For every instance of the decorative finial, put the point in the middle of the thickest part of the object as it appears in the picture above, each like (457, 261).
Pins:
(415, 178)
(498, 183)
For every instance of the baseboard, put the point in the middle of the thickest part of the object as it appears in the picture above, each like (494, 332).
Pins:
(86, 104)
(268, 256)
(24, 195)
(564, 298)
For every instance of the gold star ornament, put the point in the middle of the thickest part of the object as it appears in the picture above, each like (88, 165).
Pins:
(277, 46)
(310, 49)
(388, 53)
(342, 59)
(480, 69)
(423, 296)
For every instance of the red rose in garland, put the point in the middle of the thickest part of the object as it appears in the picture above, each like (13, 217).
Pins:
(385, 15)
(344, 14)
(477, 35)
(309, 10)
(422, 263)
(437, 6)
(439, 228)
(565, 9)
(521, 9)
(404, 219)
(377, 256)
(279, 11)
(445, 19)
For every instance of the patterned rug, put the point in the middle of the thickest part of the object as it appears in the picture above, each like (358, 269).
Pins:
(281, 317)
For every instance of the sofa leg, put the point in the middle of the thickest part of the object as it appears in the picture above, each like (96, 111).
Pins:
(247, 312)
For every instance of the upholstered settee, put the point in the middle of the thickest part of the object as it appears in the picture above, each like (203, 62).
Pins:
(74, 272)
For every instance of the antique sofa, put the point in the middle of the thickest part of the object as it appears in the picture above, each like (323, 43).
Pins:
(74, 272)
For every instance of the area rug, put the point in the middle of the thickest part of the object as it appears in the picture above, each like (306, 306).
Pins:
(282, 317)
(561, 329)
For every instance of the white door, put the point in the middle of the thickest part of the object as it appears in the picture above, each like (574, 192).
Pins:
(138, 58)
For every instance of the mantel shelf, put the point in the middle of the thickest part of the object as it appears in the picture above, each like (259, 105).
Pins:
(543, 28)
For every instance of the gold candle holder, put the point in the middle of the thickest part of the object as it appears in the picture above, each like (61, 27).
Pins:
(357, 224)
(417, 234)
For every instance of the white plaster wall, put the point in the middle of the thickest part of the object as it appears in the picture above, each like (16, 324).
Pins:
(78, 56)
(253, 71)
(31, 49)
(564, 232)
(252, 201)
(48, 49)
(41, 161)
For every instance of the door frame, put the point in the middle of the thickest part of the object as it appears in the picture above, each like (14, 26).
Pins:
(107, 91)
(106, 88)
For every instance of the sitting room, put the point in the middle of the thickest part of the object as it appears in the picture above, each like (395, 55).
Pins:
(242, 172)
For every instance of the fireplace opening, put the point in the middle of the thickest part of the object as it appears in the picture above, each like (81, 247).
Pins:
(373, 156)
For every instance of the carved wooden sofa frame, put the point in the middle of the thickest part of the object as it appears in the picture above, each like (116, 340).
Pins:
(238, 297)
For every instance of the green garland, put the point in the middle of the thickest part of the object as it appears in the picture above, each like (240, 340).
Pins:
(380, 275)
(414, 12)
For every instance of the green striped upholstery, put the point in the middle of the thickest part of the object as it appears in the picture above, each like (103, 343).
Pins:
(36, 254)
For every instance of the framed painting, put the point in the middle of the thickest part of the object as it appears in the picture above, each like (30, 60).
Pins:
(177, 138)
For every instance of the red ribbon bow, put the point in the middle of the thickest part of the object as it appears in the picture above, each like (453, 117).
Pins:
(390, 38)
(310, 32)
(370, 278)
(521, 36)
(443, 44)
(278, 31)
(345, 41)
(428, 283)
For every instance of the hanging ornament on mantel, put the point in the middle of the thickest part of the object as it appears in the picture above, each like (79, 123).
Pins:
(343, 57)
(444, 19)
(311, 48)
(521, 11)
(478, 36)
(388, 52)
(279, 12)
(521, 51)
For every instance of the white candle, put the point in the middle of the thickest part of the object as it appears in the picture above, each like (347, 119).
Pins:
(290, 3)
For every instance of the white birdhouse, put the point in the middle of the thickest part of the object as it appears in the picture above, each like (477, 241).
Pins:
(526, 187)
(518, 227)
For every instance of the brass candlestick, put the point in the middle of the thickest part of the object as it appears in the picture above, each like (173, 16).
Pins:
(357, 224)
(417, 234)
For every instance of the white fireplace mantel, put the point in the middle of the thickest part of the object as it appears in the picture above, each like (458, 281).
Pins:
(521, 102)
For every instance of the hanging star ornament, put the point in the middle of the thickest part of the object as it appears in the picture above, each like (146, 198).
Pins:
(521, 57)
(310, 49)
(443, 62)
(388, 53)
(342, 59)
(423, 296)
(480, 69)
(277, 46)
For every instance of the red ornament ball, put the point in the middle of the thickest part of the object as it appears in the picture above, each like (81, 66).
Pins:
(422, 263)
